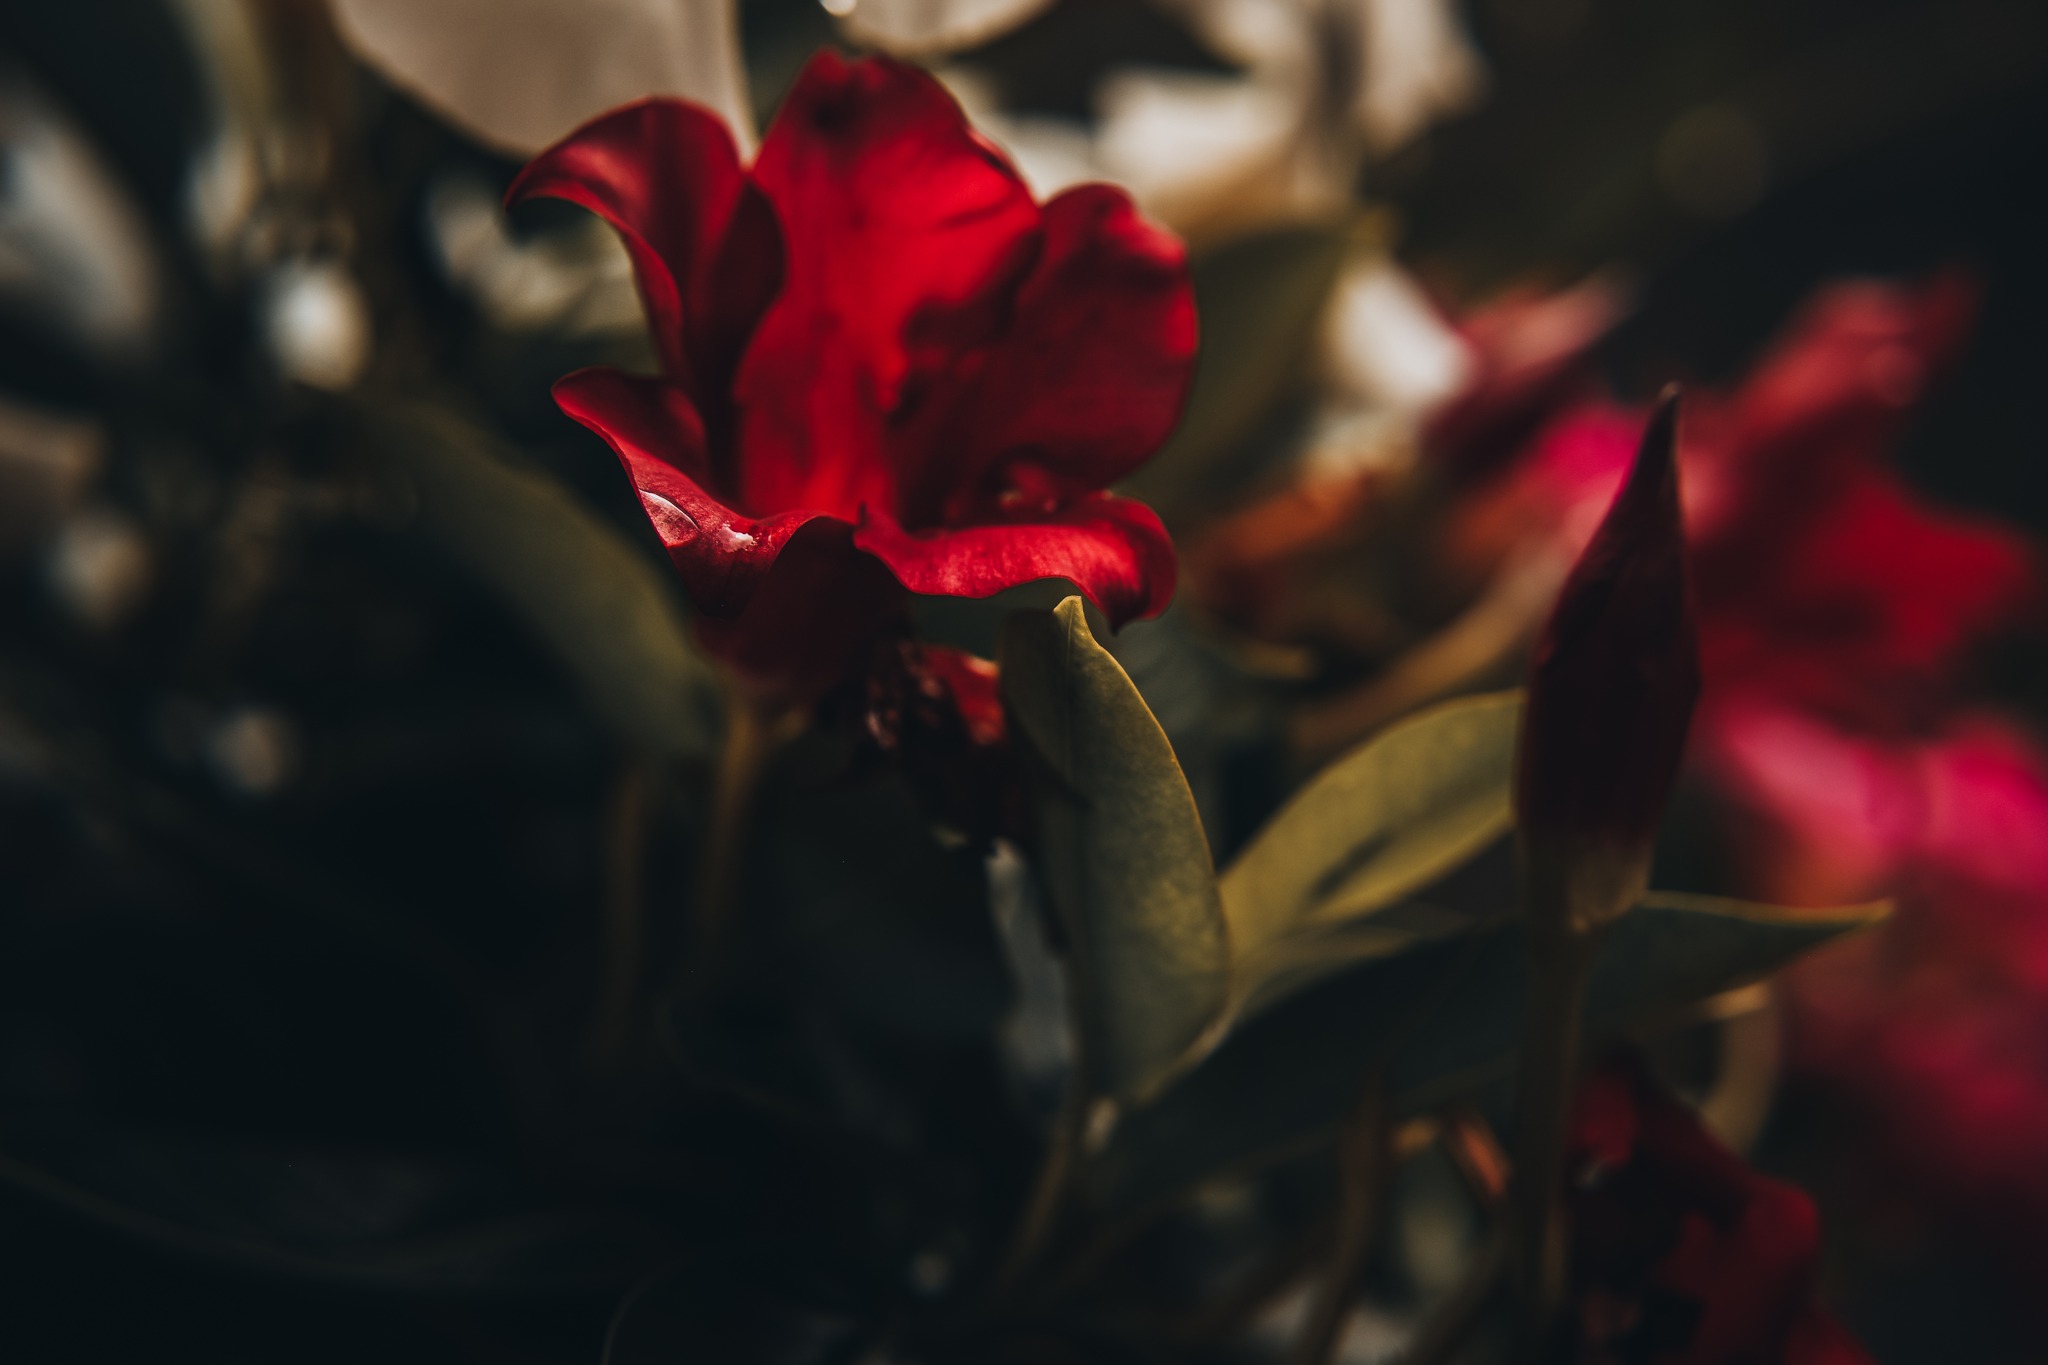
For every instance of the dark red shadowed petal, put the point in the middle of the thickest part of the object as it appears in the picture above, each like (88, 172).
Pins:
(1847, 372)
(972, 685)
(1817, 1339)
(721, 555)
(1089, 378)
(1112, 549)
(1815, 416)
(815, 613)
(906, 237)
(1533, 354)
(704, 242)
(1681, 1253)
(1616, 669)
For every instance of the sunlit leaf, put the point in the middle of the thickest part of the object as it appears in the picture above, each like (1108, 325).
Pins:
(603, 609)
(1440, 1017)
(1122, 852)
(1393, 815)
(1259, 301)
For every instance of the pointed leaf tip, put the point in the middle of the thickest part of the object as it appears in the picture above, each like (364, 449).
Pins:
(1122, 854)
(1616, 669)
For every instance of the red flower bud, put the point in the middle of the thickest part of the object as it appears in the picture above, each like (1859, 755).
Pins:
(1613, 682)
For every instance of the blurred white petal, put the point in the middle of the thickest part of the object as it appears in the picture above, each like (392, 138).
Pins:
(1252, 33)
(1050, 153)
(73, 250)
(1215, 156)
(1205, 154)
(576, 280)
(1385, 343)
(1419, 66)
(519, 74)
(1388, 359)
(929, 28)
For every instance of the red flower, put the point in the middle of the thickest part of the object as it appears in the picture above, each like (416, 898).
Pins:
(1681, 1254)
(885, 369)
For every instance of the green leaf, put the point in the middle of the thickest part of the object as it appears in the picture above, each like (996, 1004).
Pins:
(1260, 300)
(1441, 1017)
(603, 608)
(1122, 853)
(1393, 815)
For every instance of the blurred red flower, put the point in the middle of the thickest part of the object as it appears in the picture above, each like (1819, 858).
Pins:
(885, 368)
(1822, 581)
(1936, 1030)
(1837, 611)
(1681, 1254)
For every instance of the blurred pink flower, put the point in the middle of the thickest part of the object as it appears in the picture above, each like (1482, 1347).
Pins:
(1837, 613)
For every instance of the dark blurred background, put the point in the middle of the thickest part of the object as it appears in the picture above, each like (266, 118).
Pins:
(309, 796)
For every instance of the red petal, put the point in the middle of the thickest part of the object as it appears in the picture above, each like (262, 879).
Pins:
(1866, 606)
(721, 555)
(704, 241)
(1087, 381)
(1534, 356)
(974, 687)
(1708, 1259)
(810, 617)
(1112, 549)
(906, 236)
(1845, 375)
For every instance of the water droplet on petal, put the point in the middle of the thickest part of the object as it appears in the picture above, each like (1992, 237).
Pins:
(734, 542)
(671, 523)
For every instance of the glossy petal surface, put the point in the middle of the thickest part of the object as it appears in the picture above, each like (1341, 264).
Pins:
(1085, 382)
(704, 243)
(721, 554)
(1112, 549)
(906, 236)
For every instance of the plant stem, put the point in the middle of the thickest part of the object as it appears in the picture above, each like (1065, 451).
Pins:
(754, 728)
(1049, 1192)
(1361, 1171)
(625, 911)
(1560, 957)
